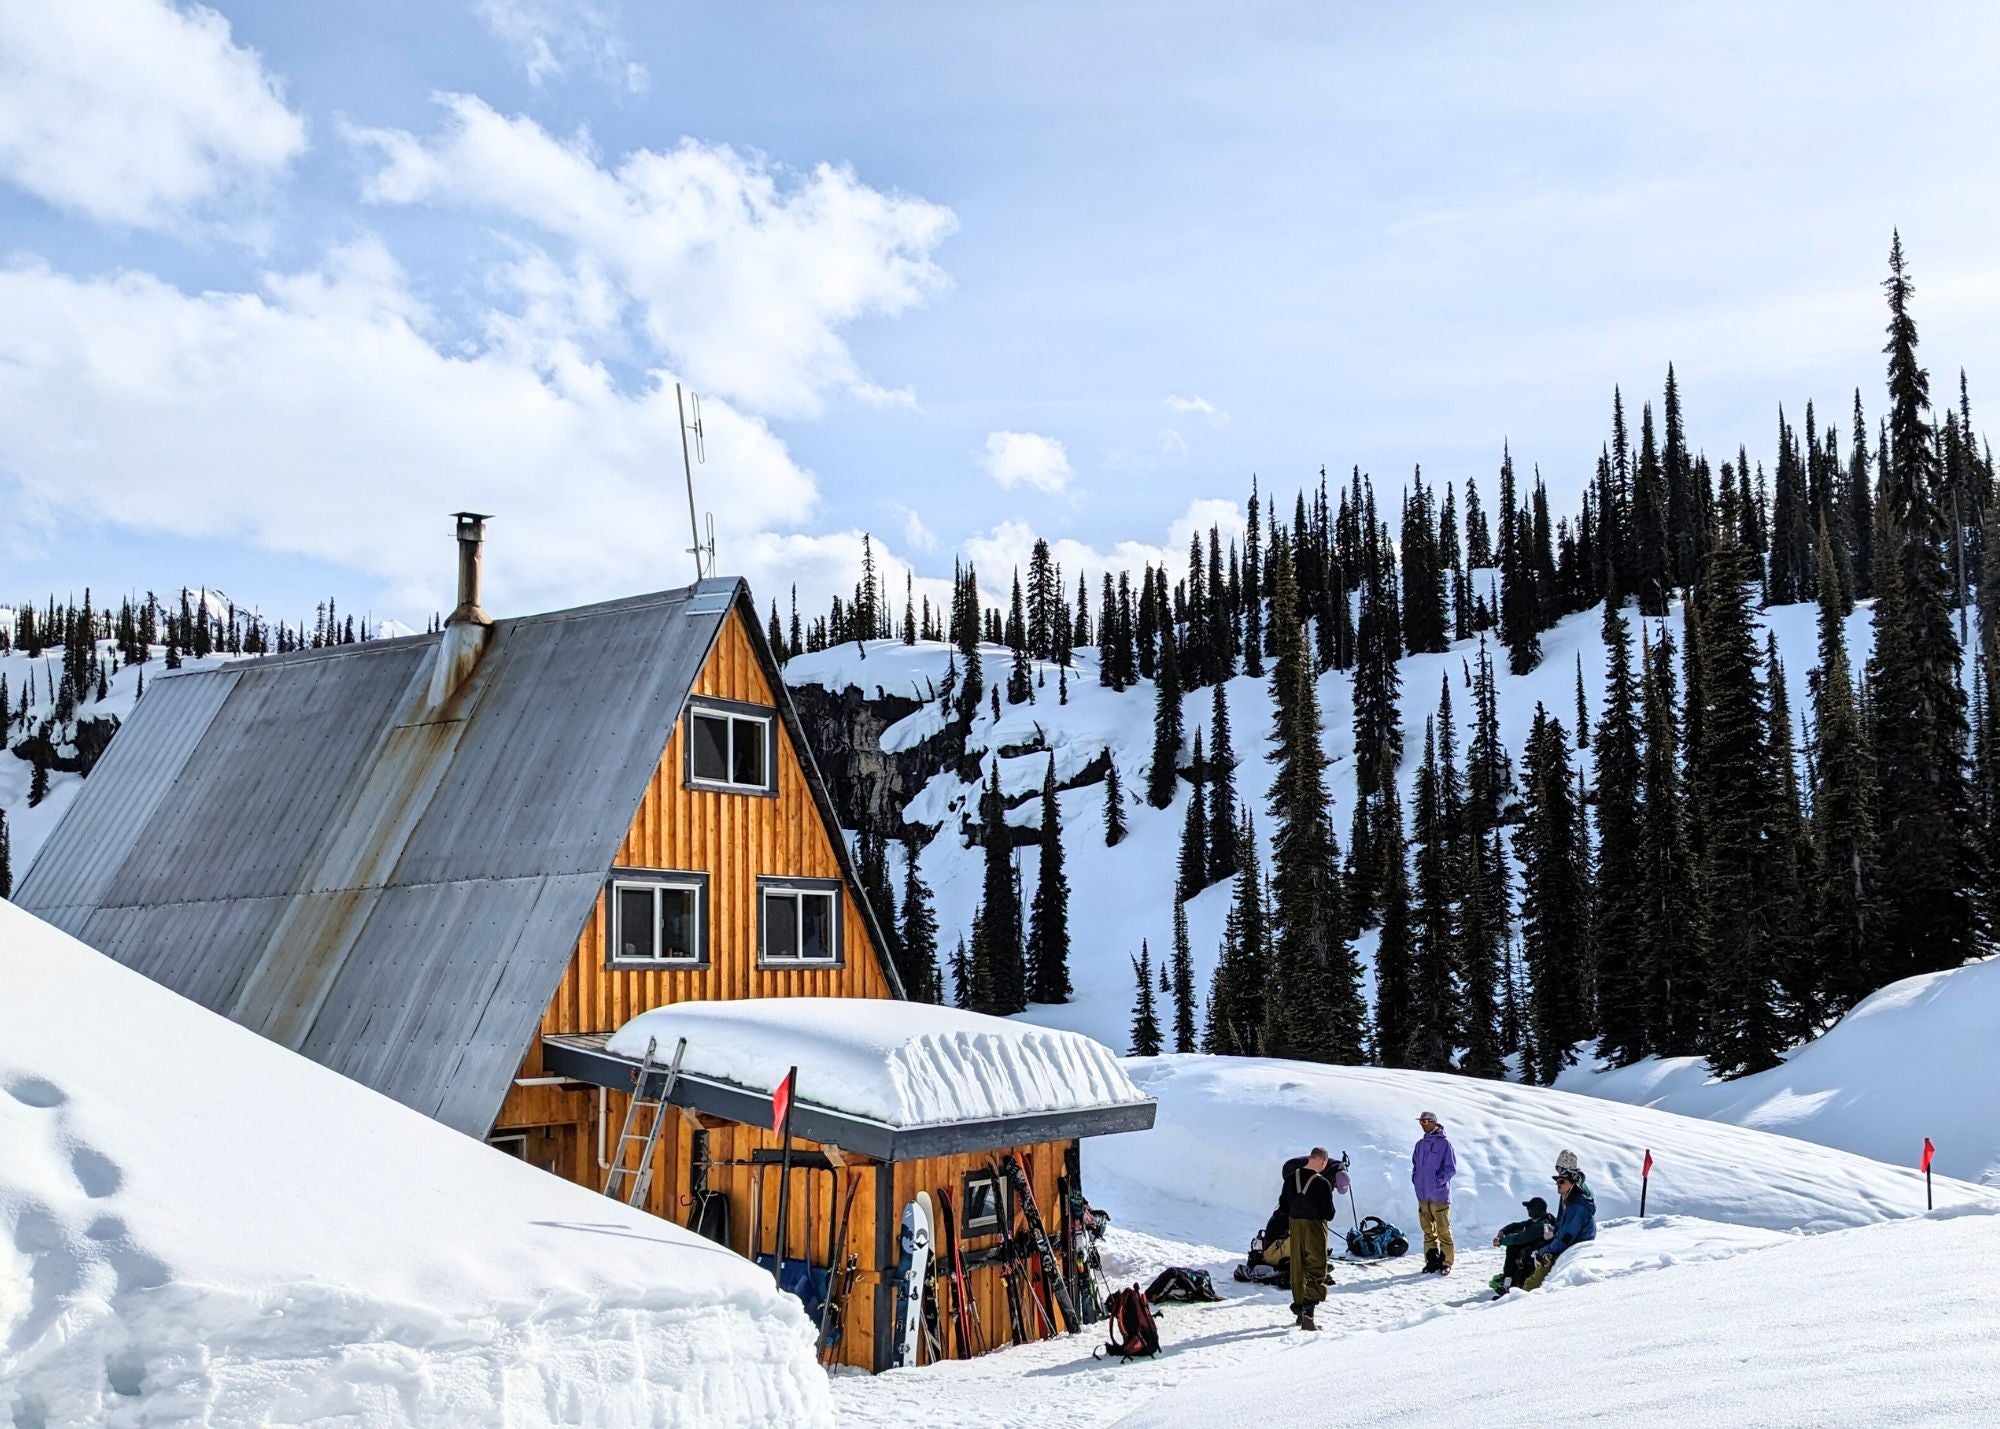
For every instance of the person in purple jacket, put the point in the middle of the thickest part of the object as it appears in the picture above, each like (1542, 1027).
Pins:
(1432, 1166)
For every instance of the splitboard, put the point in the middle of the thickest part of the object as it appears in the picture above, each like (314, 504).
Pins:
(933, 1320)
(912, 1272)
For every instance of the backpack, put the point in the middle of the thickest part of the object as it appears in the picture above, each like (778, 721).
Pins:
(1133, 1332)
(1375, 1239)
(1180, 1282)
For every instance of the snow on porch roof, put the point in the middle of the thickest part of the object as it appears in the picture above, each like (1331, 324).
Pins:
(904, 1064)
(909, 1078)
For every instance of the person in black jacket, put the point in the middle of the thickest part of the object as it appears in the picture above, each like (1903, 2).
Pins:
(1307, 1201)
(1522, 1239)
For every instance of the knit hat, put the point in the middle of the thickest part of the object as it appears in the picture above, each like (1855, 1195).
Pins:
(1535, 1206)
(1566, 1161)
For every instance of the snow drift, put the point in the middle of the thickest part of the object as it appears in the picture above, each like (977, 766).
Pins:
(902, 1063)
(196, 1224)
(1208, 1170)
(1916, 1059)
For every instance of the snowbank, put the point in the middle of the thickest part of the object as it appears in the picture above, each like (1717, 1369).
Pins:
(1915, 1060)
(1208, 1169)
(196, 1224)
(1888, 1324)
(902, 1063)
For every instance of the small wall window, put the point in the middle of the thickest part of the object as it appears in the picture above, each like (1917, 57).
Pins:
(985, 1210)
(731, 746)
(658, 919)
(798, 920)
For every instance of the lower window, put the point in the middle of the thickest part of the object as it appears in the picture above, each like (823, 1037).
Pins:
(656, 921)
(799, 921)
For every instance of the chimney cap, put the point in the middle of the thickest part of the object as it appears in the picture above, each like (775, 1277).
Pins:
(464, 516)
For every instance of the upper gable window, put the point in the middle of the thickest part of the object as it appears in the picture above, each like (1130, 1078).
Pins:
(731, 746)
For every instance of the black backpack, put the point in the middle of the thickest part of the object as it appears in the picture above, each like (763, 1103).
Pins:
(1133, 1332)
(1183, 1283)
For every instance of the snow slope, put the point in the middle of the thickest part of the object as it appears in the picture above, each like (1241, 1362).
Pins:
(1886, 1324)
(903, 1063)
(197, 1225)
(1208, 1169)
(1119, 896)
(1917, 1059)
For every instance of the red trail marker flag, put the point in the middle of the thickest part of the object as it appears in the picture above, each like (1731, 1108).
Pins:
(781, 1101)
(1645, 1179)
(1925, 1166)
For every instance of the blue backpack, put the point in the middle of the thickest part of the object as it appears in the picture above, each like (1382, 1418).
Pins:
(1376, 1239)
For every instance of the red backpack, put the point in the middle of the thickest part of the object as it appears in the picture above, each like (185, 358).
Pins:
(1133, 1332)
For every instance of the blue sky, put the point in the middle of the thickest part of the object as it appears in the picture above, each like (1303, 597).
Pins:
(283, 289)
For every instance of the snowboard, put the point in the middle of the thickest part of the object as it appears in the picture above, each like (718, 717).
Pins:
(933, 1319)
(912, 1270)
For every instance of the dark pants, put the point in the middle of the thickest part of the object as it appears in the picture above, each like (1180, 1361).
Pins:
(1308, 1249)
(1520, 1263)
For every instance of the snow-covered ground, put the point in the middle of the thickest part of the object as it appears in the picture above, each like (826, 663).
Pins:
(199, 1226)
(1921, 1058)
(1642, 1295)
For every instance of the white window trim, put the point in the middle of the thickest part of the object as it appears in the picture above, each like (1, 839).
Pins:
(766, 958)
(618, 959)
(763, 723)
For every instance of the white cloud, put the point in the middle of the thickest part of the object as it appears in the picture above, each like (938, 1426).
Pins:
(1026, 459)
(742, 274)
(915, 532)
(136, 112)
(1198, 407)
(549, 38)
(320, 416)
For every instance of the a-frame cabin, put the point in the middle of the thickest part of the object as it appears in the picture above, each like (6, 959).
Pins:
(442, 864)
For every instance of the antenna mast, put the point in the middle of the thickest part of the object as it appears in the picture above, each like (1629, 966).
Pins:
(703, 553)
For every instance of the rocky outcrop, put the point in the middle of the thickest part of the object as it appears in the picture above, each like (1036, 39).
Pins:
(869, 788)
(77, 754)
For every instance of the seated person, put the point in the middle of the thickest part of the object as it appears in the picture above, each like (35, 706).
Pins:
(1522, 1239)
(1576, 1222)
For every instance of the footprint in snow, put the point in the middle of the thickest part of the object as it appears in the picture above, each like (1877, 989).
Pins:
(35, 1092)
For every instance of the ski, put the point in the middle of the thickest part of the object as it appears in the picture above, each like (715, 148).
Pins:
(961, 1306)
(913, 1260)
(1039, 1237)
(933, 1320)
(831, 1308)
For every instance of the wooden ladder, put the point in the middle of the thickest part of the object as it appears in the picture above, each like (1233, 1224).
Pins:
(647, 1135)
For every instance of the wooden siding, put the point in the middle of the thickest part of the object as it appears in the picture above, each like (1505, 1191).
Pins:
(735, 839)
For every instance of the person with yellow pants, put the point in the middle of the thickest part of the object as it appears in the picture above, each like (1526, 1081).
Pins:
(1432, 1165)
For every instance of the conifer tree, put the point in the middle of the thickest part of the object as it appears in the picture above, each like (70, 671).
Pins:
(1243, 980)
(872, 872)
(1555, 899)
(1048, 918)
(961, 972)
(1183, 983)
(1790, 867)
(1478, 535)
(1735, 786)
(1666, 954)
(1520, 623)
(1929, 872)
(1483, 912)
(918, 943)
(1161, 775)
(6, 845)
(1648, 568)
(1253, 591)
(1378, 730)
(1435, 1020)
(1114, 805)
(1394, 974)
(1860, 509)
(38, 784)
(1619, 912)
(1192, 876)
(1582, 704)
(1222, 809)
(1314, 1010)
(1001, 905)
(1145, 1011)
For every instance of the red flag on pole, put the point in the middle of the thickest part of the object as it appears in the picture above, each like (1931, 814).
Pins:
(1647, 1169)
(1929, 1152)
(781, 1100)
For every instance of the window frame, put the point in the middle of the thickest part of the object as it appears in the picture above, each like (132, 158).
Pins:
(737, 712)
(829, 887)
(1002, 1216)
(655, 879)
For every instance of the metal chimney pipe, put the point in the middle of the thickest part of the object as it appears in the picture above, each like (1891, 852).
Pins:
(471, 539)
